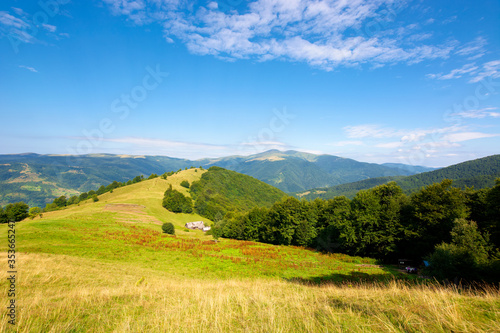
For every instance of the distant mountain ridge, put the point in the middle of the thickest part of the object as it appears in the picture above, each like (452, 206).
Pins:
(38, 179)
(478, 173)
(293, 171)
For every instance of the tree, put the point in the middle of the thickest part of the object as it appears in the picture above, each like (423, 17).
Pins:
(493, 213)
(3, 216)
(168, 228)
(177, 202)
(185, 184)
(95, 198)
(17, 211)
(335, 230)
(466, 256)
(34, 211)
(61, 201)
(433, 211)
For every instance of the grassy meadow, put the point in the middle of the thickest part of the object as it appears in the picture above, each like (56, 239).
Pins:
(106, 267)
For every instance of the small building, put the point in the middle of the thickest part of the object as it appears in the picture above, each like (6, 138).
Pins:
(198, 225)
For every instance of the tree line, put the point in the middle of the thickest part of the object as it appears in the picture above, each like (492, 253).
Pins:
(457, 231)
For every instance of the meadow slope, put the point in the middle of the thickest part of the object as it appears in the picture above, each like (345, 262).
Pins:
(106, 267)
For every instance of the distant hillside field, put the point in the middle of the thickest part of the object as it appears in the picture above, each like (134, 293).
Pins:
(479, 173)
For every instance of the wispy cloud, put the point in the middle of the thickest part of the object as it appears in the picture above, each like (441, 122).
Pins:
(490, 69)
(371, 131)
(31, 69)
(466, 136)
(49, 27)
(296, 30)
(182, 149)
(474, 49)
(475, 73)
(455, 73)
(347, 143)
(481, 113)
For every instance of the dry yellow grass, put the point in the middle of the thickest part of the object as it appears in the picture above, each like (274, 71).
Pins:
(60, 293)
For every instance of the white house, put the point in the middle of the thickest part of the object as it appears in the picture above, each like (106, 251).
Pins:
(197, 225)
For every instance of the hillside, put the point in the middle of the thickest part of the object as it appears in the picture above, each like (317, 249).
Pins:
(105, 266)
(479, 173)
(220, 191)
(38, 179)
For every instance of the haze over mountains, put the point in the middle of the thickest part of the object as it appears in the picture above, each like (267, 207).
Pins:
(38, 179)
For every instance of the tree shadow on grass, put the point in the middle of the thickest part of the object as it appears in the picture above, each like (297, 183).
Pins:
(353, 277)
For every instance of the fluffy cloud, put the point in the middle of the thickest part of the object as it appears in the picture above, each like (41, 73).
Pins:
(318, 32)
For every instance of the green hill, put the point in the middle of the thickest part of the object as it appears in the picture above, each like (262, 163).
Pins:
(479, 173)
(220, 191)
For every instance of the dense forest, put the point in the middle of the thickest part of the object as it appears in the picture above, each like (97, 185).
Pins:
(457, 231)
(220, 192)
(479, 173)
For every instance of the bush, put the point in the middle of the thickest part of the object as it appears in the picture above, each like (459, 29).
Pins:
(185, 184)
(168, 228)
(95, 198)
(34, 211)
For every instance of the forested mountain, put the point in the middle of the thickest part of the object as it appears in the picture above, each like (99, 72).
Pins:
(38, 179)
(479, 173)
(293, 171)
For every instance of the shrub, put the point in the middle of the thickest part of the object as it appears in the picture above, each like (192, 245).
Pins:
(185, 184)
(34, 211)
(95, 198)
(168, 228)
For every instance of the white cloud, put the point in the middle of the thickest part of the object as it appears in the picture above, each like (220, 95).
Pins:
(370, 131)
(474, 49)
(183, 149)
(455, 73)
(466, 136)
(478, 114)
(8, 20)
(490, 69)
(475, 73)
(31, 69)
(391, 145)
(347, 143)
(48, 27)
(308, 31)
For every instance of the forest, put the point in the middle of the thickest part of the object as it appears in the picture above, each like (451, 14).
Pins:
(455, 231)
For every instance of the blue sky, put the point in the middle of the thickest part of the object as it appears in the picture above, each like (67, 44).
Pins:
(413, 82)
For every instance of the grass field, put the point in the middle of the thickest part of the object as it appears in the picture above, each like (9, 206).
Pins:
(106, 267)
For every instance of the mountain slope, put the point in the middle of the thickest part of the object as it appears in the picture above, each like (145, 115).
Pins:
(293, 171)
(480, 173)
(38, 179)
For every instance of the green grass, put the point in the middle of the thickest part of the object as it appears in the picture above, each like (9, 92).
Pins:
(90, 268)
